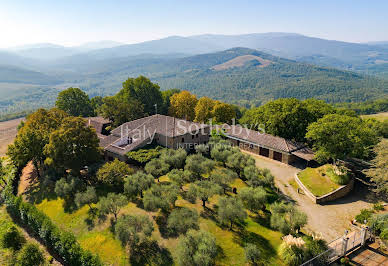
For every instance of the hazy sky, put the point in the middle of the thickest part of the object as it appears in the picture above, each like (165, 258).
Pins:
(71, 22)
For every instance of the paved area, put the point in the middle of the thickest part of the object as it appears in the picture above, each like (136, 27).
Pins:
(369, 256)
(330, 219)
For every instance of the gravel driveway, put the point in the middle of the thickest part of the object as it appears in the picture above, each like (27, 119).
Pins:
(330, 219)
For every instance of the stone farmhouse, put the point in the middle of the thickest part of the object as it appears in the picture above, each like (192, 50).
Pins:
(176, 133)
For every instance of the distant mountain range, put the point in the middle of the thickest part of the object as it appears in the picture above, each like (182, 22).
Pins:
(267, 66)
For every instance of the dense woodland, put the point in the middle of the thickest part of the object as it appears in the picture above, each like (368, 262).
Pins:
(251, 84)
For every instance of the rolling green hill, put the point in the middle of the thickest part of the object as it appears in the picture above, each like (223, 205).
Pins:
(251, 82)
(242, 76)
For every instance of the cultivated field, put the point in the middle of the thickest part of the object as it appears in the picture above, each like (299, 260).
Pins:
(8, 132)
(379, 116)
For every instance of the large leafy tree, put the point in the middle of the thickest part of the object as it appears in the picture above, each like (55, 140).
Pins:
(144, 91)
(339, 137)
(166, 95)
(113, 173)
(182, 105)
(120, 111)
(203, 109)
(287, 118)
(224, 113)
(197, 248)
(73, 145)
(231, 210)
(33, 135)
(378, 172)
(75, 102)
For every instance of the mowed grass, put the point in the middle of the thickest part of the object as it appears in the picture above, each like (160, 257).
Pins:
(97, 236)
(317, 181)
(378, 116)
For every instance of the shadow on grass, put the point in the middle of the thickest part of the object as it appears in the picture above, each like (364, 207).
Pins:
(263, 218)
(161, 221)
(150, 253)
(92, 216)
(39, 191)
(242, 237)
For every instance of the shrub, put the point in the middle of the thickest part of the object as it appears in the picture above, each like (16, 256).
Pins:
(364, 215)
(30, 255)
(378, 206)
(143, 156)
(252, 253)
(291, 254)
(113, 173)
(12, 238)
(338, 179)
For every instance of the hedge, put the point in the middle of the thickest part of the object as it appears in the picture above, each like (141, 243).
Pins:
(62, 242)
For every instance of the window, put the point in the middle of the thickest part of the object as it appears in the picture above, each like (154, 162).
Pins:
(183, 139)
(192, 136)
(197, 135)
(251, 146)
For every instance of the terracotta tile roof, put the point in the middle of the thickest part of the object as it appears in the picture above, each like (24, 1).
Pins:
(143, 130)
(97, 123)
(160, 124)
(262, 139)
(305, 153)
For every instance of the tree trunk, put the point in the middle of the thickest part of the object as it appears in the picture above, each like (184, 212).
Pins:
(141, 194)
(231, 225)
(204, 203)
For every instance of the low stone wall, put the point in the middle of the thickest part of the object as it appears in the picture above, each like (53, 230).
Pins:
(336, 194)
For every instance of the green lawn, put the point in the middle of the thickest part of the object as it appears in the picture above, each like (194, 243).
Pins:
(378, 116)
(98, 238)
(317, 181)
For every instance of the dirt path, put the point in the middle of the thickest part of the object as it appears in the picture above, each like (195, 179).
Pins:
(28, 179)
(330, 219)
(8, 130)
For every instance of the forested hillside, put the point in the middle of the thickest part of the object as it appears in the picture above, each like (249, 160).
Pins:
(241, 76)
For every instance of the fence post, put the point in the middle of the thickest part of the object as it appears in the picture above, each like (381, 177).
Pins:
(363, 236)
(344, 245)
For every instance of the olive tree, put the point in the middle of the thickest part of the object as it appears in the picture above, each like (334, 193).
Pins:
(135, 184)
(182, 219)
(112, 204)
(197, 248)
(231, 210)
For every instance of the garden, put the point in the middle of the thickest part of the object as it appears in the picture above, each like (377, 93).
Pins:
(323, 179)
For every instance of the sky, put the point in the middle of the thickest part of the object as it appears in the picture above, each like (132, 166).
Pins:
(73, 22)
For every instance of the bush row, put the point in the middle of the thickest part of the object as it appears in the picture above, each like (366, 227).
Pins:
(63, 243)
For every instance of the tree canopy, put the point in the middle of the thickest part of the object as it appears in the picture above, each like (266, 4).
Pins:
(132, 229)
(135, 184)
(113, 173)
(378, 172)
(75, 102)
(339, 137)
(73, 145)
(144, 91)
(203, 109)
(287, 117)
(182, 105)
(120, 111)
(197, 248)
